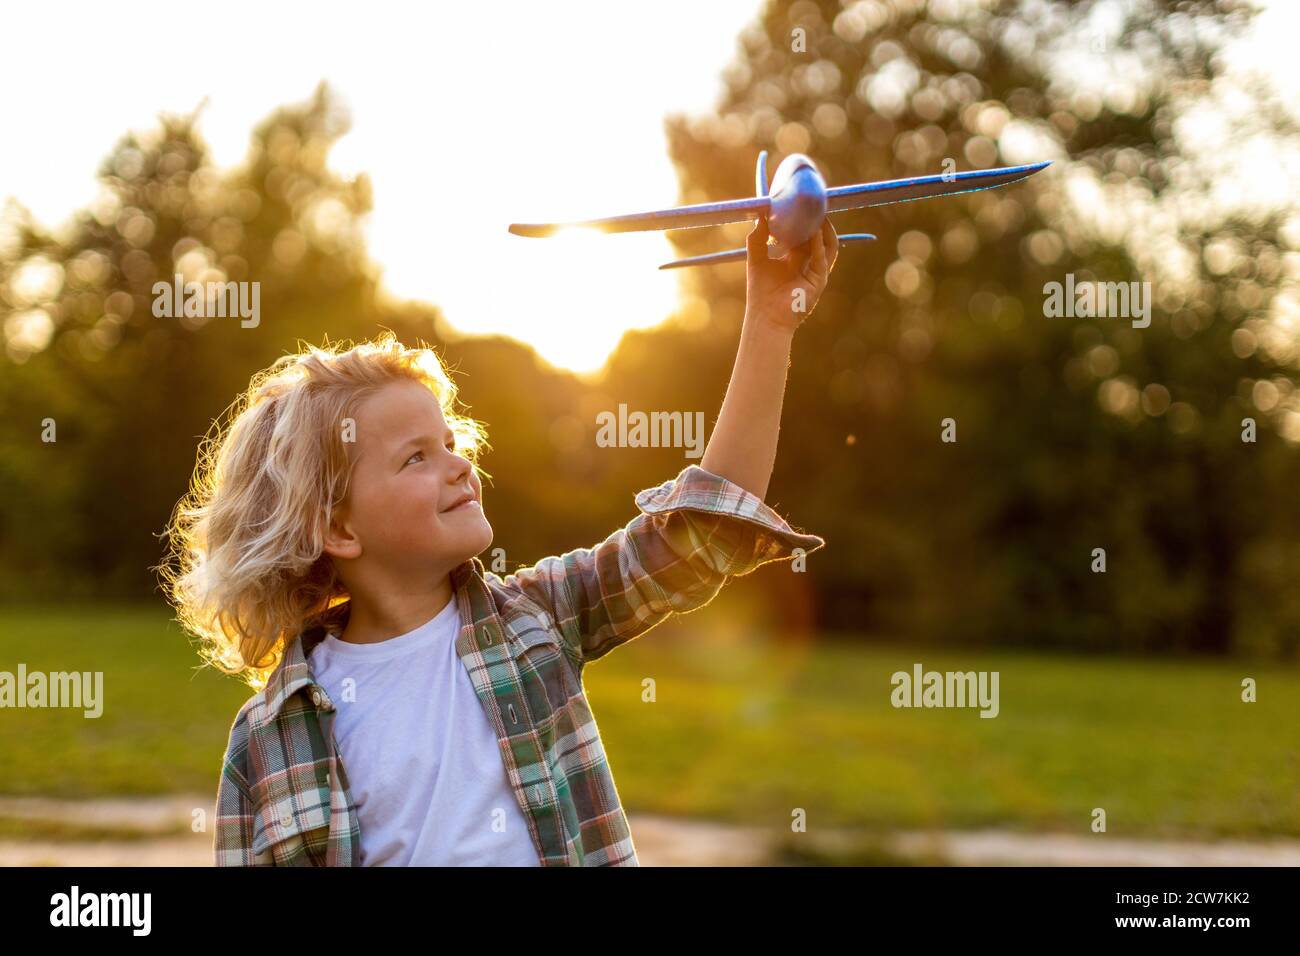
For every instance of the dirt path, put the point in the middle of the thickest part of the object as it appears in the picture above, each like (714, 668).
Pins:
(660, 841)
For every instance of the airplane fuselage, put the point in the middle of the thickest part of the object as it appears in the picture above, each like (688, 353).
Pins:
(798, 195)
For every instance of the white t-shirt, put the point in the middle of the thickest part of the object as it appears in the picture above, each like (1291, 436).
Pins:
(422, 760)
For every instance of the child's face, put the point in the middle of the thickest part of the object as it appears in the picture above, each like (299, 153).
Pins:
(405, 479)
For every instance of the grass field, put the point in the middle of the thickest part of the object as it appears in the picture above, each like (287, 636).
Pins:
(750, 729)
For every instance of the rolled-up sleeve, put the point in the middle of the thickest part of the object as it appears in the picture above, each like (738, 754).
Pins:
(693, 532)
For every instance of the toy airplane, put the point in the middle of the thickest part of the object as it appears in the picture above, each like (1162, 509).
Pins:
(796, 204)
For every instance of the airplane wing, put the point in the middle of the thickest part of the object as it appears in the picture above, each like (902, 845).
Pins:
(840, 198)
(733, 255)
(683, 217)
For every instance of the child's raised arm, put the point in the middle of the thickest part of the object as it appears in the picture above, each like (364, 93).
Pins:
(779, 295)
(710, 522)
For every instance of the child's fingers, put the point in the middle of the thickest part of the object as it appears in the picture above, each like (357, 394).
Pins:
(815, 269)
(757, 239)
(801, 259)
(806, 261)
(832, 242)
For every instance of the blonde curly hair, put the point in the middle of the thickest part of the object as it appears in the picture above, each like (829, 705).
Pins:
(245, 566)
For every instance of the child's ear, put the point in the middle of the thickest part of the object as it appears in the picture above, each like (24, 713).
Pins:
(340, 540)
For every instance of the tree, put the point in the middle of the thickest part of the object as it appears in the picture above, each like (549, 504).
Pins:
(1073, 433)
(130, 391)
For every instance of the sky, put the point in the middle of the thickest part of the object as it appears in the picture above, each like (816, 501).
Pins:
(466, 116)
(470, 116)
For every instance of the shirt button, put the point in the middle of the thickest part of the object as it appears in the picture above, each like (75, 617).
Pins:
(286, 820)
(315, 696)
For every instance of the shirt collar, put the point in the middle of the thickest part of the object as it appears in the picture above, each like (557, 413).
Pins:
(294, 672)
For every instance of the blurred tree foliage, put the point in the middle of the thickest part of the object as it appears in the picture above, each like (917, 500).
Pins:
(1073, 434)
(130, 394)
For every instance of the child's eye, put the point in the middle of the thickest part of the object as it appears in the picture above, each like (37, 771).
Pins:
(418, 455)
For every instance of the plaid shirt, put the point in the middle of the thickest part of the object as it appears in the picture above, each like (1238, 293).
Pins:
(283, 797)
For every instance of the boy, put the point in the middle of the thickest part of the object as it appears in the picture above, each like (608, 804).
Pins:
(414, 708)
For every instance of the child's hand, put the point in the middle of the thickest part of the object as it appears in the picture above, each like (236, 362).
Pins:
(771, 284)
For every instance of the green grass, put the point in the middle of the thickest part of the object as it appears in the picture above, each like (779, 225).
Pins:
(164, 724)
(753, 730)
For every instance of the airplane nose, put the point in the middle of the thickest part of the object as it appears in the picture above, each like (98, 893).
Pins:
(798, 210)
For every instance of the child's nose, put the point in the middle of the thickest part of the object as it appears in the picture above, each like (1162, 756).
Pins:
(459, 468)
